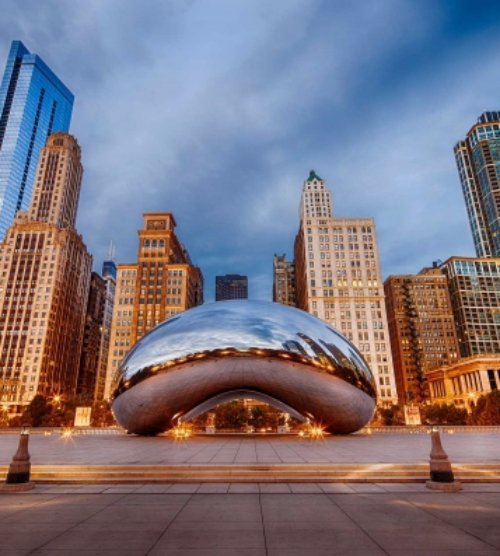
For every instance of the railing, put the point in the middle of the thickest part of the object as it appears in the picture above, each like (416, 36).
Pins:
(116, 431)
(49, 431)
(425, 429)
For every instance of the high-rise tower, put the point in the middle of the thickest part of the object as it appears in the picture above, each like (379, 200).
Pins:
(44, 283)
(474, 286)
(162, 283)
(283, 280)
(422, 330)
(231, 286)
(92, 337)
(95, 349)
(33, 104)
(478, 161)
(338, 279)
(109, 276)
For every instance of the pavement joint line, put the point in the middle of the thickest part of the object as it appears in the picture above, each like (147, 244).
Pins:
(52, 490)
(446, 522)
(263, 523)
(332, 500)
(70, 528)
(169, 524)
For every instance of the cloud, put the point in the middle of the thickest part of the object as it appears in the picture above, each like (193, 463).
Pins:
(217, 110)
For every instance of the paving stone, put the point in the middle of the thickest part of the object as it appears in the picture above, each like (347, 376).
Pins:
(274, 487)
(85, 552)
(136, 499)
(305, 488)
(314, 537)
(250, 519)
(243, 488)
(213, 535)
(182, 488)
(221, 513)
(134, 538)
(209, 552)
(332, 551)
(219, 488)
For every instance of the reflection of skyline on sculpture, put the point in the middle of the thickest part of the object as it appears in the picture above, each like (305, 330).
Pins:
(214, 352)
(243, 326)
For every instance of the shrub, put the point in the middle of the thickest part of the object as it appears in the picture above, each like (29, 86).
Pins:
(487, 410)
(443, 414)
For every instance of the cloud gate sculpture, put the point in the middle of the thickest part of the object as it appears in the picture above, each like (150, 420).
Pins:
(243, 349)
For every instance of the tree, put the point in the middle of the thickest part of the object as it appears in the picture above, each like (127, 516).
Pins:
(37, 411)
(101, 415)
(391, 416)
(4, 418)
(232, 415)
(443, 414)
(487, 410)
(264, 416)
(257, 417)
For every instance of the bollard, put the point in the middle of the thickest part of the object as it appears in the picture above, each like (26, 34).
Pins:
(441, 473)
(18, 476)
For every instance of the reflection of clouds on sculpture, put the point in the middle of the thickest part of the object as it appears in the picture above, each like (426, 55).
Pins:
(239, 325)
(208, 352)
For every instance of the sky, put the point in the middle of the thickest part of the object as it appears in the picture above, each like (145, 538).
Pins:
(216, 111)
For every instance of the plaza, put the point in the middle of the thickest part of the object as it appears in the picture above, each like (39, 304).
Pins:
(254, 518)
(250, 520)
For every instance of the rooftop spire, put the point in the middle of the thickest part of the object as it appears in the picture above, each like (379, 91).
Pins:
(313, 176)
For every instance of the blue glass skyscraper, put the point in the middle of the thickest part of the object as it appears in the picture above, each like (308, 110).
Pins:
(33, 104)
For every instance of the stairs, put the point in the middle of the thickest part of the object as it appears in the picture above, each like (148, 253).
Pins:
(258, 473)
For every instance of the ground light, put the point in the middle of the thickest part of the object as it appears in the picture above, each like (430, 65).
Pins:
(67, 433)
(181, 432)
(314, 431)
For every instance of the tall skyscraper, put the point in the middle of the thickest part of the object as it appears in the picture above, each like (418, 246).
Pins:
(338, 279)
(474, 285)
(231, 286)
(283, 281)
(44, 283)
(89, 362)
(109, 277)
(161, 284)
(478, 161)
(97, 334)
(33, 104)
(422, 330)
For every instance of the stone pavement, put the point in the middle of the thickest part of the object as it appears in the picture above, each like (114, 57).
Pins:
(465, 447)
(250, 520)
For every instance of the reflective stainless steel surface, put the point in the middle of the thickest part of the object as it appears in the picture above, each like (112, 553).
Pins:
(266, 348)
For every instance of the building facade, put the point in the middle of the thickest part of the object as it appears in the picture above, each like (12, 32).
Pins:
(474, 286)
(421, 329)
(89, 362)
(231, 286)
(161, 284)
(109, 277)
(478, 161)
(33, 104)
(44, 282)
(283, 281)
(462, 383)
(338, 279)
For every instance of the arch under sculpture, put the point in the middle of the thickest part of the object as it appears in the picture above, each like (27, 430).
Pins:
(232, 349)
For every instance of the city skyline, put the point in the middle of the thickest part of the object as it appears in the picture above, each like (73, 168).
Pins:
(223, 130)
